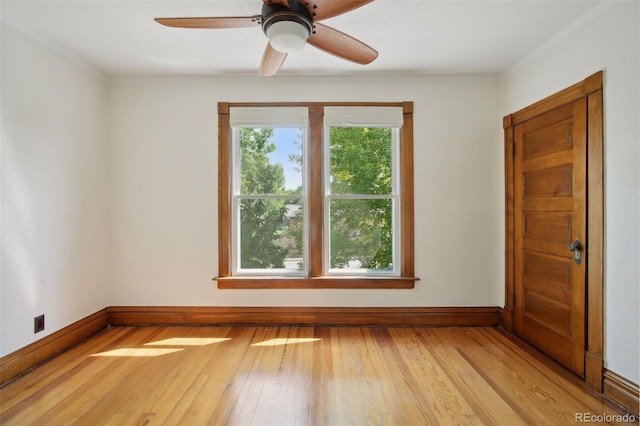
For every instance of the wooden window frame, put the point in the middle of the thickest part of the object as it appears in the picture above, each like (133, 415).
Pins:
(316, 279)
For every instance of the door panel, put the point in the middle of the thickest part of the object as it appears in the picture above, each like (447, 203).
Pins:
(547, 182)
(547, 312)
(548, 140)
(549, 199)
(553, 226)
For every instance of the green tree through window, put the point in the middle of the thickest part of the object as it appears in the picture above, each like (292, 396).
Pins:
(361, 229)
(261, 219)
(361, 164)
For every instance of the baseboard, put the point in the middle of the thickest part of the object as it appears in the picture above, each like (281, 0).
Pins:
(621, 391)
(330, 316)
(30, 356)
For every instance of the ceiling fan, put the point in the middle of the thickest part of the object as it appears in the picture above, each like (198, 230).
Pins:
(290, 25)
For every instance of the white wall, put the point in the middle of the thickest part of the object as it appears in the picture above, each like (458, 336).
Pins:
(164, 168)
(609, 40)
(54, 184)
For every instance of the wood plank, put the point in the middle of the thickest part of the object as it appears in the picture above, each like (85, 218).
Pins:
(407, 268)
(300, 375)
(509, 225)
(595, 237)
(548, 161)
(318, 282)
(579, 309)
(556, 100)
(224, 190)
(544, 203)
(316, 192)
(314, 104)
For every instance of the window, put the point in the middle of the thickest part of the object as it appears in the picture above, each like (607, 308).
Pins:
(269, 191)
(316, 195)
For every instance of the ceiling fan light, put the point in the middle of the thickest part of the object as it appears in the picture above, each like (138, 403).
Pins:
(287, 36)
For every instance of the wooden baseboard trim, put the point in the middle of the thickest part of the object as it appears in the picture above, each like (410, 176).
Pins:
(593, 370)
(506, 319)
(621, 391)
(330, 316)
(30, 356)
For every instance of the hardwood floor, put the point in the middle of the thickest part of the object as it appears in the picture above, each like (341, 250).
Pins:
(306, 375)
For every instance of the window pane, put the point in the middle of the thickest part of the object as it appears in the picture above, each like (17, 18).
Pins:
(360, 160)
(361, 234)
(271, 234)
(270, 161)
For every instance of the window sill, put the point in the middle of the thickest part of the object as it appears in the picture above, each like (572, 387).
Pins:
(316, 282)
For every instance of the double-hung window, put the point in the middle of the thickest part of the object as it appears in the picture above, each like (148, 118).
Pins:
(269, 191)
(361, 195)
(315, 195)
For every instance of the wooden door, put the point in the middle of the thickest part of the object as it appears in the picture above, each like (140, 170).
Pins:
(549, 169)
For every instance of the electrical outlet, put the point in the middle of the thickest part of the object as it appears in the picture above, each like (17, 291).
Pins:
(38, 323)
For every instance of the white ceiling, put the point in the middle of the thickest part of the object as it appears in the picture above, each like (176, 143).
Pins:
(120, 37)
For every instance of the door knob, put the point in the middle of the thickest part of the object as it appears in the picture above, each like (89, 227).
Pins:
(576, 245)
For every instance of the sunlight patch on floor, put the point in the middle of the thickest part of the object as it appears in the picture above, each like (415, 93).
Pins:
(188, 341)
(286, 341)
(139, 352)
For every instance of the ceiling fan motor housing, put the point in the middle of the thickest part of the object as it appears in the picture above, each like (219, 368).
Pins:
(287, 27)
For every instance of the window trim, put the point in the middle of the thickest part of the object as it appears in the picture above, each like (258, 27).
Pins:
(316, 279)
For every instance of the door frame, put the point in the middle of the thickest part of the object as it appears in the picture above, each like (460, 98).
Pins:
(590, 88)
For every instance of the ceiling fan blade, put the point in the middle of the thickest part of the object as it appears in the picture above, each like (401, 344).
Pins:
(272, 60)
(213, 22)
(325, 9)
(282, 2)
(342, 45)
